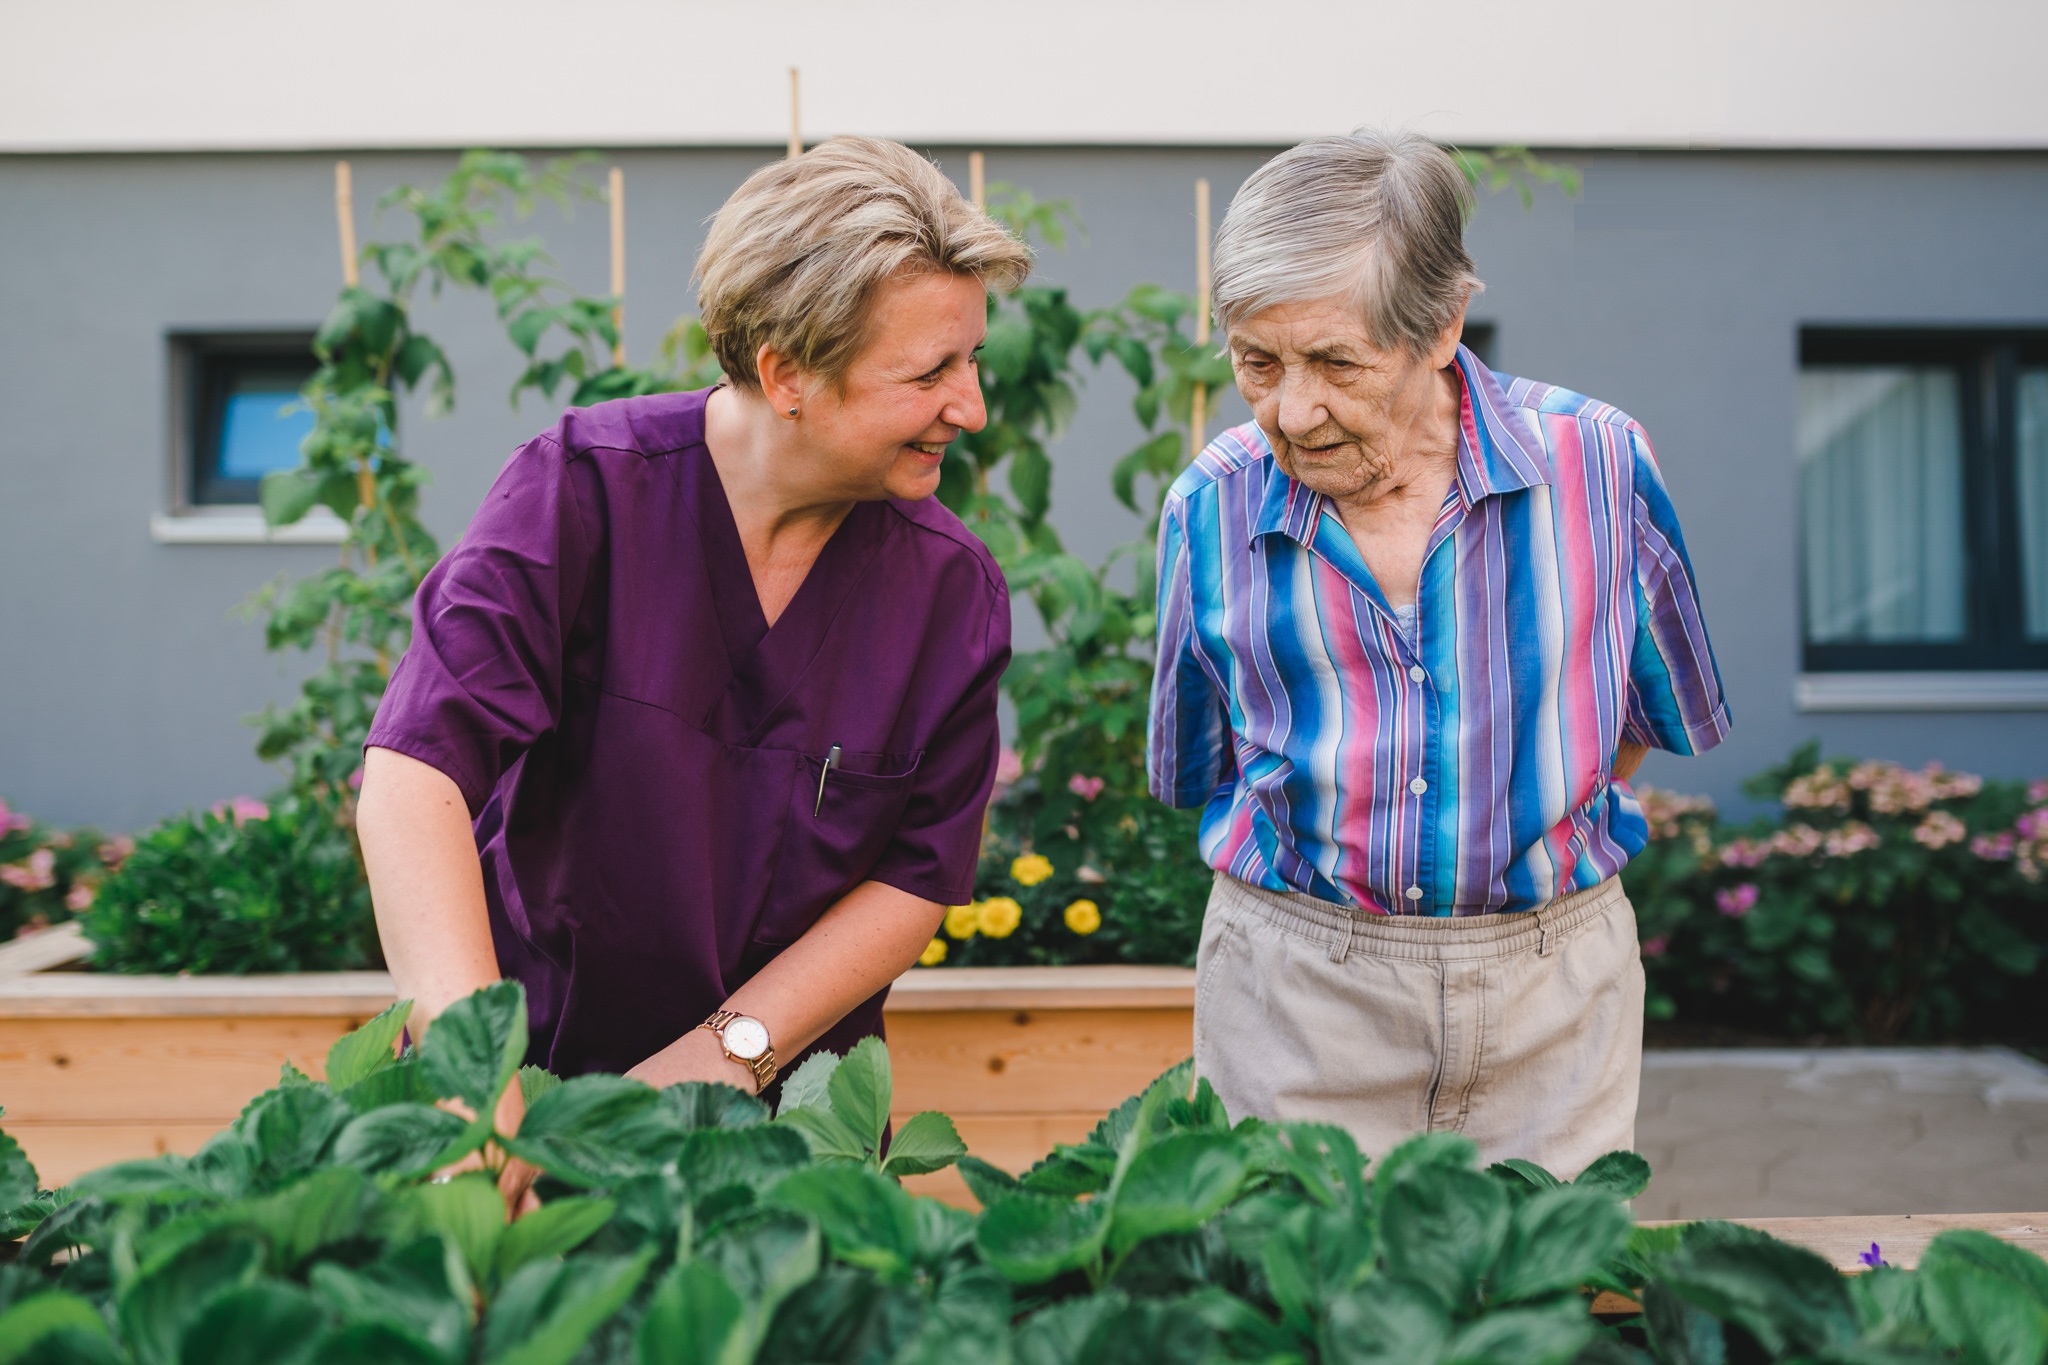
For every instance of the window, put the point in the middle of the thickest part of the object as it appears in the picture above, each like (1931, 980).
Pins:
(238, 415)
(1923, 487)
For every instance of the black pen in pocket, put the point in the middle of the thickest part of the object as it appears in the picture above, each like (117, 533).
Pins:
(825, 771)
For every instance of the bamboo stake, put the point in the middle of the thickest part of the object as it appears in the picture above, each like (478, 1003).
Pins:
(1198, 404)
(345, 213)
(618, 188)
(977, 180)
(796, 136)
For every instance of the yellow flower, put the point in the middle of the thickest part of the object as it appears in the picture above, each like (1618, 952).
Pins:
(1000, 917)
(1031, 869)
(934, 953)
(1084, 917)
(962, 920)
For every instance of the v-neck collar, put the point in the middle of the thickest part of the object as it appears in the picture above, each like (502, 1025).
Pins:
(768, 661)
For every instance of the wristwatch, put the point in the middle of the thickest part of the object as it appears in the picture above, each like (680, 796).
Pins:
(745, 1040)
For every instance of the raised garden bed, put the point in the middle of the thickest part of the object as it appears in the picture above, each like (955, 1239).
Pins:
(98, 1068)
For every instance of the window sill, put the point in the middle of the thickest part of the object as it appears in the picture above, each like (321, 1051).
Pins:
(1988, 691)
(244, 526)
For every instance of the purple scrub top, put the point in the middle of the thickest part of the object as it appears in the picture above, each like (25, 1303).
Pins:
(641, 752)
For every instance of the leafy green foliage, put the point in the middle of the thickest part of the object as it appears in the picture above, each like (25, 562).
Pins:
(710, 1234)
(47, 875)
(251, 889)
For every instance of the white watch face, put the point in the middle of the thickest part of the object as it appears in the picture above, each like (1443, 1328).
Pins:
(745, 1038)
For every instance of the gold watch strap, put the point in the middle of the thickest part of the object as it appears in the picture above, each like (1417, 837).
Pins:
(762, 1066)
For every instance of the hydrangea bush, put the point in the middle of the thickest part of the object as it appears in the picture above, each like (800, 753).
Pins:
(48, 875)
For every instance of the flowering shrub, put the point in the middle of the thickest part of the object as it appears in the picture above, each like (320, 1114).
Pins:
(48, 875)
(1885, 903)
(242, 888)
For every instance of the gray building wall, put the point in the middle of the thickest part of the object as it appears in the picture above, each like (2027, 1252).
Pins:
(1674, 287)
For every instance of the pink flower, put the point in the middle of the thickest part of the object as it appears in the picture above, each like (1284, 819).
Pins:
(355, 779)
(11, 820)
(1995, 848)
(1654, 947)
(2037, 792)
(37, 872)
(1009, 767)
(2032, 825)
(79, 899)
(1736, 901)
(1850, 838)
(1087, 788)
(242, 810)
(1939, 830)
(1744, 853)
(116, 850)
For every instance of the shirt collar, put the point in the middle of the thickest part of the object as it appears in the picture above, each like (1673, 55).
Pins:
(1497, 453)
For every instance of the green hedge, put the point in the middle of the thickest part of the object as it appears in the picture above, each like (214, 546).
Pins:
(688, 1225)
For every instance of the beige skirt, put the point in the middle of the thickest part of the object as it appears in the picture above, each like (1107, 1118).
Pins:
(1522, 1031)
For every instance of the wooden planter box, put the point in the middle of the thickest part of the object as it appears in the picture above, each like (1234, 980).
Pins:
(95, 1068)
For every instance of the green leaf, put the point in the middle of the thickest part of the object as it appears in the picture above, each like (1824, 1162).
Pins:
(808, 1087)
(376, 1343)
(472, 1050)
(155, 1308)
(1526, 1336)
(1453, 1151)
(1557, 1240)
(468, 1211)
(694, 1318)
(1311, 1257)
(1384, 1323)
(1441, 1228)
(41, 1316)
(1521, 1177)
(1980, 1251)
(404, 1140)
(404, 1082)
(867, 1220)
(702, 1104)
(1031, 481)
(535, 1081)
(1786, 1297)
(827, 1136)
(988, 1184)
(1006, 354)
(421, 1290)
(546, 1313)
(860, 1088)
(290, 1128)
(554, 1229)
(1621, 1174)
(1056, 1335)
(926, 1142)
(1679, 1333)
(1175, 1185)
(1031, 1238)
(357, 1056)
(269, 1323)
(286, 495)
(769, 1260)
(332, 1205)
(593, 1130)
(1987, 1316)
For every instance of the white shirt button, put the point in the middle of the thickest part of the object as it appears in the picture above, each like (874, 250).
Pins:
(1416, 672)
(1414, 893)
(1418, 786)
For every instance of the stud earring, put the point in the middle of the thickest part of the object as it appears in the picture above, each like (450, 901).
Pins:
(792, 412)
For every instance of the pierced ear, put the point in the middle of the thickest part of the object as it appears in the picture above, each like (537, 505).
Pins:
(782, 383)
(1446, 348)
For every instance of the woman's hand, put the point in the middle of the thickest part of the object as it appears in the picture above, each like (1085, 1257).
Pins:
(696, 1056)
(515, 1177)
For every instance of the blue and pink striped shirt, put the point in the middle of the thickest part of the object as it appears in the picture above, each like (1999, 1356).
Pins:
(1470, 771)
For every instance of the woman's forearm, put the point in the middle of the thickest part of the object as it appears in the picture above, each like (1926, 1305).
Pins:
(864, 941)
(425, 883)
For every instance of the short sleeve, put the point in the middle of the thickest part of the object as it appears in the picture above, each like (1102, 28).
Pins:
(1675, 700)
(483, 677)
(938, 841)
(1189, 738)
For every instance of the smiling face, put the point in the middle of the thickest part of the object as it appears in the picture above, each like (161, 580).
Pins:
(1341, 413)
(915, 386)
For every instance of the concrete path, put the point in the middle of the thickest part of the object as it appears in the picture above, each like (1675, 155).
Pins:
(1772, 1132)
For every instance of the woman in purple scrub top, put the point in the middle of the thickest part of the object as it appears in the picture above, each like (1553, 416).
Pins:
(699, 718)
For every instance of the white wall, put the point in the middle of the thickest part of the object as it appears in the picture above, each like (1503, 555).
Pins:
(142, 75)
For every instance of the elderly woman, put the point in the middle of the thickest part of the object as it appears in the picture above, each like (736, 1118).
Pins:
(699, 718)
(1418, 624)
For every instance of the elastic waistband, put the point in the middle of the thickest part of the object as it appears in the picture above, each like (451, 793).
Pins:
(1421, 937)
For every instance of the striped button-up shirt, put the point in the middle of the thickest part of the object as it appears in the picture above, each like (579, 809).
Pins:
(1467, 771)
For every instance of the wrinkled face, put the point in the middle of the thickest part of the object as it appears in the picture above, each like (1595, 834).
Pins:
(913, 388)
(1337, 409)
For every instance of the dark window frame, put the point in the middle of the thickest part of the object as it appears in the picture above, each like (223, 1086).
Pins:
(203, 365)
(1987, 362)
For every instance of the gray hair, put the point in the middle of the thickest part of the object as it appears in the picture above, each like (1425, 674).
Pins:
(796, 255)
(1377, 218)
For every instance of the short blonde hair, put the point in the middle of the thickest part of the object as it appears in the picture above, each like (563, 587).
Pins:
(795, 256)
(1375, 218)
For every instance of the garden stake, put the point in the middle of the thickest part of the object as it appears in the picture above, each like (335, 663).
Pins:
(618, 188)
(1198, 402)
(977, 183)
(345, 212)
(796, 137)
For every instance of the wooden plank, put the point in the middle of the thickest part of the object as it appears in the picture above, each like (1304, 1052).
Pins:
(104, 1070)
(1034, 1062)
(56, 946)
(61, 1152)
(82, 995)
(109, 995)
(1043, 988)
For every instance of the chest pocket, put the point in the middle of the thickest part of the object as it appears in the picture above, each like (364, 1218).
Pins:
(834, 835)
